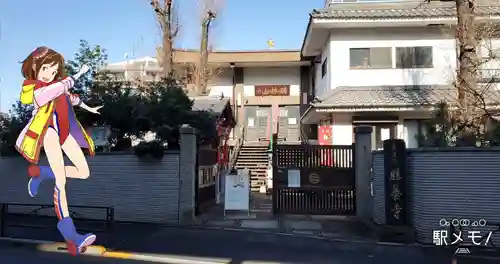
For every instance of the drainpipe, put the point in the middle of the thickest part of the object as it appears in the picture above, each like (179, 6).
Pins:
(233, 98)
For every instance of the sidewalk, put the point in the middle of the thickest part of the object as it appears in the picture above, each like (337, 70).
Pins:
(329, 227)
(323, 227)
(151, 239)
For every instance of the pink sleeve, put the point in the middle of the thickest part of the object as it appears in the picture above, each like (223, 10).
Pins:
(45, 94)
(74, 98)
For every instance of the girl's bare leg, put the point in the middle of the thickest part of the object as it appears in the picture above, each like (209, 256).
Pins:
(76, 243)
(56, 161)
(80, 168)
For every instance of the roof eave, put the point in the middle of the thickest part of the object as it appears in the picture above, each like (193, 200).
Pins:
(345, 22)
(306, 35)
(351, 108)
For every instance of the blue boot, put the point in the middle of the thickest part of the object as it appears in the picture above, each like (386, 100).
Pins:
(76, 243)
(37, 175)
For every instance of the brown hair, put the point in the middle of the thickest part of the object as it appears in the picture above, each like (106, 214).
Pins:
(37, 58)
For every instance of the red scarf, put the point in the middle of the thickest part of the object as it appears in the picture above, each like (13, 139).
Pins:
(62, 108)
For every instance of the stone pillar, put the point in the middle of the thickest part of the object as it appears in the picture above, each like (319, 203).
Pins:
(187, 188)
(362, 169)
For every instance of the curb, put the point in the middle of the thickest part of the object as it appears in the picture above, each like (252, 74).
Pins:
(34, 243)
(100, 251)
(45, 245)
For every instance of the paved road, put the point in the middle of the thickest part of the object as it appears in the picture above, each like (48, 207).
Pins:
(244, 248)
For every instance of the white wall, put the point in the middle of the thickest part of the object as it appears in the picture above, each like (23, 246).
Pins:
(342, 130)
(410, 133)
(341, 40)
(271, 76)
(222, 83)
(322, 84)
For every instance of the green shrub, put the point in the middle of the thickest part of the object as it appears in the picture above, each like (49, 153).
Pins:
(153, 149)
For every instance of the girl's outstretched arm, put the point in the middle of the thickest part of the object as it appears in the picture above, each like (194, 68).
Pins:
(48, 93)
(94, 109)
(76, 101)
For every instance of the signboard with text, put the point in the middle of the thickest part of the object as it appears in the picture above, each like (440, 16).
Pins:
(395, 181)
(272, 90)
(237, 191)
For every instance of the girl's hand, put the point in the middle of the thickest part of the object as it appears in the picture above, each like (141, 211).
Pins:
(84, 69)
(94, 110)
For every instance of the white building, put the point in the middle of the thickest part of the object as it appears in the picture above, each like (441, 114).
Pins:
(141, 69)
(259, 79)
(383, 64)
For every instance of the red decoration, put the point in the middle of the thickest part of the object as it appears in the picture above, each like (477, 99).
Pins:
(325, 139)
(223, 149)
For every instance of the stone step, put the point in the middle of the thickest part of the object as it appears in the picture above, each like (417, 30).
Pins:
(253, 160)
(254, 169)
(262, 157)
(253, 154)
(255, 147)
(249, 165)
(260, 150)
(257, 172)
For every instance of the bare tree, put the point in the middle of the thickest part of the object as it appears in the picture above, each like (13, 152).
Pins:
(168, 21)
(474, 82)
(209, 10)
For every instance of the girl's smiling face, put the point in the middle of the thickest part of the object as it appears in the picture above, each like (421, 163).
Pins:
(48, 72)
(43, 64)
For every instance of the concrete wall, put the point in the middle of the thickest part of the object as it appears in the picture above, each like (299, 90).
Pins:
(140, 190)
(342, 40)
(223, 82)
(271, 76)
(444, 57)
(455, 183)
(342, 130)
(323, 83)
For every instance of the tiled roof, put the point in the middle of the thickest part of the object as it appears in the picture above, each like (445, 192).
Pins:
(393, 96)
(208, 103)
(406, 10)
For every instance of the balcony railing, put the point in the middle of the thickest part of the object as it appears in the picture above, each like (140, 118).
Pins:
(489, 75)
(329, 3)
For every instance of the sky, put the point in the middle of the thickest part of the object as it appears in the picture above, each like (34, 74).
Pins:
(129, 28)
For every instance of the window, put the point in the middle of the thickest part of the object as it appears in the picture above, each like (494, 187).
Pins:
(324, 67)
(383, 132)
(374, 58)
(414, 57)
(119, 76)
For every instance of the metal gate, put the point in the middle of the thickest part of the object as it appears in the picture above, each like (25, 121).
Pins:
(258, 120)
(204, 181)
(310, 179)
(288, 124)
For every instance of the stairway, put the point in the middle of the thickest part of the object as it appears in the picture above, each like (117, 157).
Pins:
(254, 158)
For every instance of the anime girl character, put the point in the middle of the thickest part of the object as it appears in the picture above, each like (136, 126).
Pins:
(55, 128)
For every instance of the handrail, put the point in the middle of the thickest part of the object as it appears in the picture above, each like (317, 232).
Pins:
(5, 214)
(237, 147)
